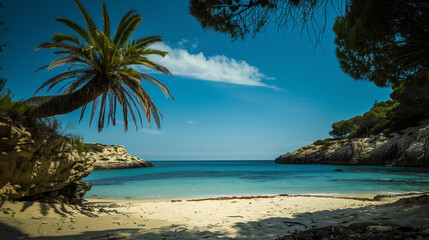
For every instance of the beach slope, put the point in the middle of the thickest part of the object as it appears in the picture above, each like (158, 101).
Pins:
(259, 217)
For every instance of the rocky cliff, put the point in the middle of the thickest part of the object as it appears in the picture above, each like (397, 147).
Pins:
(112, 157)
(410, 148)
(35, 164)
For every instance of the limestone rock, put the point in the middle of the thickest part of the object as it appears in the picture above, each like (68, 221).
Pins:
(33, 162)
(112, 157)
(408, 148)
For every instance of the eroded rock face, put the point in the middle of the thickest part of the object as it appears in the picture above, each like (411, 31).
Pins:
(34, 163)
(70, 194)
(112, 157)
(409, 148)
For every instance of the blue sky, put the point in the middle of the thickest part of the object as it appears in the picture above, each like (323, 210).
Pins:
(247, 100)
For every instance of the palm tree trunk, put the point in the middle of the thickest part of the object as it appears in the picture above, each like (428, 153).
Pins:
(51, 105)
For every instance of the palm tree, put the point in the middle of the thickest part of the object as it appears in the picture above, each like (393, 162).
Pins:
(101, 70)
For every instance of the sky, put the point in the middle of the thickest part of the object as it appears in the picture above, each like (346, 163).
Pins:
(234, 100)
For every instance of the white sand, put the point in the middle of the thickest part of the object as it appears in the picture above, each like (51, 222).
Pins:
(255, 218)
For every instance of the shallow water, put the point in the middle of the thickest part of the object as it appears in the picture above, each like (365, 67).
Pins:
(190, 179)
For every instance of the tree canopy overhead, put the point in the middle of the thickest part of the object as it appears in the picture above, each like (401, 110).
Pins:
(385, 42)
(241, 18)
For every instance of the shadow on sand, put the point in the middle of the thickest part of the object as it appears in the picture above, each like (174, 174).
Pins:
(408, 212)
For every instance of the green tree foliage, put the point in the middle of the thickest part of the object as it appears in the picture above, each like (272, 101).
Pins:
(385, 42)
(102, 71)
(378, 119)
(414, 103)
(409, 106)
(342, 128)
(240, 18)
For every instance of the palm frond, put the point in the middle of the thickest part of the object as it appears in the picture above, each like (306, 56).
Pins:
(130, 108)
(58, 78)
(137, 106)
(89, 22)
(83, 53)
(122, 99)
(82, 112)
(76, 84)
(70, 59)
(93, 108)
(61, 37)
(150, 51)
(131, 90)
(148, 63)
(106, 20)
(76, 27)
(157, 83)
(112, 109)
(146, 41)
(131, 25)
(102, 112)
(122, 25)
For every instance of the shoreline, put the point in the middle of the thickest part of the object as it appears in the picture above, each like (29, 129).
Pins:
(252, 196)
(239, 217)
(362, 197)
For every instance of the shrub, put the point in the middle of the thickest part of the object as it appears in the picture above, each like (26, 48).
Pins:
(8, 104)
(323, 142)
(93, 147)
(80, 146)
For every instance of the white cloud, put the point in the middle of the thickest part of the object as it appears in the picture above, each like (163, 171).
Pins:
(217, 68)
(182, 43)
(190, 122)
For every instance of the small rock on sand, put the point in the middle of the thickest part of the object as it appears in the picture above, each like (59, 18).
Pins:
(379, 229)
(362, 225)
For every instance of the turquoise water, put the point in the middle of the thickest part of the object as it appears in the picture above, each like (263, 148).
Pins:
(191, 179)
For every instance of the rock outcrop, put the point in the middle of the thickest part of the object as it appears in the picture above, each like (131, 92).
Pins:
(112, 157)
(409, 148)
(71, 194)
(33, 162)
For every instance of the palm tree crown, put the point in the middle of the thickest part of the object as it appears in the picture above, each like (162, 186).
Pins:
(101, 71)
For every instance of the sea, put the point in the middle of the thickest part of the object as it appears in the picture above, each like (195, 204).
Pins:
(203, 179)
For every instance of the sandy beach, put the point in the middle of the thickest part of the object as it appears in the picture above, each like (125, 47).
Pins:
(259, 217)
